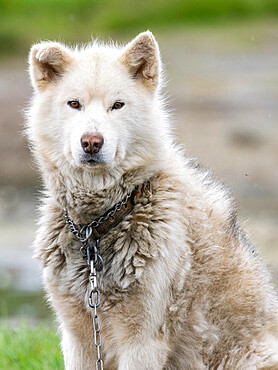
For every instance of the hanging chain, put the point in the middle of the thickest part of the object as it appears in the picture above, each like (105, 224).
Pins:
(90, 252)
(96, 264)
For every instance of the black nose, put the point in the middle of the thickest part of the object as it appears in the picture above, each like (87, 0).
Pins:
(92, 143)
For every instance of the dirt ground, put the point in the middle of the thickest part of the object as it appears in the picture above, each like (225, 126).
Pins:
(223, 87)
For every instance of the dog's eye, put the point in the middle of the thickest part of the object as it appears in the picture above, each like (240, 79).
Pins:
(117, 105)
(74, 104)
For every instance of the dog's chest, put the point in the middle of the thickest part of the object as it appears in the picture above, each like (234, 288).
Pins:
(125, 251)
(128, 250)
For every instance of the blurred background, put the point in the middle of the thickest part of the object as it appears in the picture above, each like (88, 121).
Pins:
(221, 61)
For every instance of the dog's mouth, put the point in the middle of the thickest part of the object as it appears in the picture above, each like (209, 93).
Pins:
(92, 162)
(89, 160)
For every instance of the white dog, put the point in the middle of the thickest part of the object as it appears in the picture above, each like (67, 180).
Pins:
(174, 282)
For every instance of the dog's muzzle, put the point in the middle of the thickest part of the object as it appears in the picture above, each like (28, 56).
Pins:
(91, 144)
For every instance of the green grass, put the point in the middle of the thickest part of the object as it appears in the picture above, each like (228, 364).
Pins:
(23, 346)
(24, 22)
(29, 348)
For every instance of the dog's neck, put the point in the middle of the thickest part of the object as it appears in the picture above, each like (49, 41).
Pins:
(84, 201)
(89, 194)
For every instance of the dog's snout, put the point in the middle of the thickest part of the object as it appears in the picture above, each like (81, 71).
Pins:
(92, 143)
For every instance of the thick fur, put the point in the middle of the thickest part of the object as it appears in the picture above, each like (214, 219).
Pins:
(182, 287)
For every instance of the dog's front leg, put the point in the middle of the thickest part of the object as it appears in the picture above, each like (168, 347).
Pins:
(78, 354)
(150, 354)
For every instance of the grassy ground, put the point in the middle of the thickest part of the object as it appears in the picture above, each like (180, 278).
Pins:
(24, 22)
(30, 348)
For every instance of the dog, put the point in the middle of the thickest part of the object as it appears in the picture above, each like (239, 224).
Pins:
(144, 262)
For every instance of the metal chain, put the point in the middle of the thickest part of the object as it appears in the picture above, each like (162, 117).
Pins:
(86, 230)
(95, 262)
(90, 252)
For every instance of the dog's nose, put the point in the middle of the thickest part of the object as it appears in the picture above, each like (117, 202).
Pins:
(92, 143)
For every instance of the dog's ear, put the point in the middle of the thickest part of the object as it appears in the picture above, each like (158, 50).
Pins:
(141, 57)
(48, 60)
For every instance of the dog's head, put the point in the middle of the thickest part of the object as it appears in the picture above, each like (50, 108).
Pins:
(97, 106)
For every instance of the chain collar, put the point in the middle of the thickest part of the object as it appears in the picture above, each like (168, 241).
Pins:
(104, 223)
